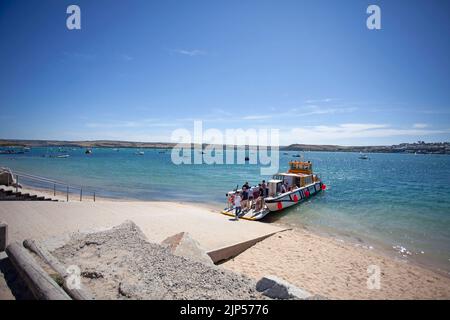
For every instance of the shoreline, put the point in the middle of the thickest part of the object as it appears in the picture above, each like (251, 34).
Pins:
(342, 248)
(321, 265)
(61, 196)
(372, 245)
(337, 270)
(402, 148)
(356, 241)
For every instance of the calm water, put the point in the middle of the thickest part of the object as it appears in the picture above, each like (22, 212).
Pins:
(391, 200)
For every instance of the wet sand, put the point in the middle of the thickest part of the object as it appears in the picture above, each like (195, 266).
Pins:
(337, 269)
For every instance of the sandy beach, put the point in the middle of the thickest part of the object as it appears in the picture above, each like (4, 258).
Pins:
(321, 265)
(336, 269)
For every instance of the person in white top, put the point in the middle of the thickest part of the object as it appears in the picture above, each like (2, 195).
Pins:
(284, 188)
(237, 205)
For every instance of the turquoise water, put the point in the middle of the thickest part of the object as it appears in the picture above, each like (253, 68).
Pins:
(391, 200)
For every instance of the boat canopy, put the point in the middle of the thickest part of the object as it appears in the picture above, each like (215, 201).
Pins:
(292, 175)
(304, 167)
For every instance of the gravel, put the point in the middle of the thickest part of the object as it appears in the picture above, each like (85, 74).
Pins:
(121, 264)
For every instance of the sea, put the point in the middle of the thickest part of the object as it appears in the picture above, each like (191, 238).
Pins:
(399, 203)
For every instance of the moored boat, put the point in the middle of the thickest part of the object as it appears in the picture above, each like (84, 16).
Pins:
(363, 156)
(283, 191)
(299, 182)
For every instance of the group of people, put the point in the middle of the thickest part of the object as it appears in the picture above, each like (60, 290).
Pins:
(249, 198)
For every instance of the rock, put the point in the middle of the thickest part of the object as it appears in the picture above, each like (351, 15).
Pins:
(127, 290)
(6, 177)
(182, 244)
(276, 288)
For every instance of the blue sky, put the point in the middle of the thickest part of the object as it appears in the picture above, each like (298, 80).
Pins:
(137, 70)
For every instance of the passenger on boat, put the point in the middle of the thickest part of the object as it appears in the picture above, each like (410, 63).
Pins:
(260, 198)
(255, 193)
(250, 197)
(237, 205)
(260, 190)
(284, 188)
(264, 187)
(244, 199)
(230, 201)
(259, 203)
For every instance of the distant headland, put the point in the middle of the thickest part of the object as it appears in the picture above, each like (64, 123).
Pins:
(419, 147)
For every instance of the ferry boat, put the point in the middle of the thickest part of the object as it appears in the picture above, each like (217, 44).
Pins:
(284, 190)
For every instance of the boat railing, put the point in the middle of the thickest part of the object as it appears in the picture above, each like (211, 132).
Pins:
(57, 187)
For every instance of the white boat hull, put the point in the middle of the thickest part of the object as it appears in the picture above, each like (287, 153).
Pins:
(293, 197)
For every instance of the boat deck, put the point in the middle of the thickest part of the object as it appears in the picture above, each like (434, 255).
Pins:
(248, 215)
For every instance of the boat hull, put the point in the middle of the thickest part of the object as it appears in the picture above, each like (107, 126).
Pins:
(292, 198)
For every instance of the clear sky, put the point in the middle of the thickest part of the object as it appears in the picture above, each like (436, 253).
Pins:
(137, 70)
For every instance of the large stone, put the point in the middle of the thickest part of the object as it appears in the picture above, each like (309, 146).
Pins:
(3, 236)
(7, 177)
(276, 288)
(182, 244)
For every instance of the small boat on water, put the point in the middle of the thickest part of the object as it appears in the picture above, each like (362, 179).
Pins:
(88, 151)
(60, 156)
(140, 153)
(283, 191)
(11, 151)
(363, 156)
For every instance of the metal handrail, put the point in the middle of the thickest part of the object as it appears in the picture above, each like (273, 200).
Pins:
(54, 183)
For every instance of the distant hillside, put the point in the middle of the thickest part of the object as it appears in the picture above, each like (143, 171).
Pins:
(419, 147)
(85, 144)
